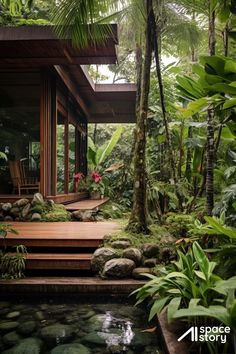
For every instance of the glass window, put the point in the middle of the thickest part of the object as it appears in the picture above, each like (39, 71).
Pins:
(72, 156)
(60, 154)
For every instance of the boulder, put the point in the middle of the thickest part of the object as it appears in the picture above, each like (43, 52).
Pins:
(37, 199)
(26, 346)
(83, 215)
(121, 244)
(150, 250)
(25, 210)
(138, 272)
(101, 256)
(134, 254)
(36, 217)
(8, 218)
(6, 206)
(118, 268)
(56, 334)
(21, 203)
(1, 217)
(73, 348)
(15, 211)
(150, 262)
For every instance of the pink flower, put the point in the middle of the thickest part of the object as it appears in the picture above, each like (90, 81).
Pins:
(78, 176)
(96, 177)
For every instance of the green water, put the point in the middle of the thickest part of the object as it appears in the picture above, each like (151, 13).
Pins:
(62, 327)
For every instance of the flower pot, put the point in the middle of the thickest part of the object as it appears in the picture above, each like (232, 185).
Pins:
(95, 195)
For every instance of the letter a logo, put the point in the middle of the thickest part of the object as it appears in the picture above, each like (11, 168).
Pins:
(194, 334)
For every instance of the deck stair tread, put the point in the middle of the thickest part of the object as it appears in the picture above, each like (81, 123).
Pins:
(58, 261)
(58, 256)
(86, 204)
(59, 234)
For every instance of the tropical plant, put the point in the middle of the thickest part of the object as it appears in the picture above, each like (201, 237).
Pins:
(97, 156)
(12, 266)
(190, 278)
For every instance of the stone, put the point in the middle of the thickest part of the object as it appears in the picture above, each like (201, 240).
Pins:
(14, 314)
(27, 328)
(73, 348)
(21, 202)
(150, 262)
(83, 215)
(118, 268)
(56, 334)
(94, 338)
(37, 199)
(8, 218)
(8, 326)
(50, 202)
(138, 272)
(25, 210)
(121, 244)
(15, 211)
(101, 256)
(167, 254)
(1, 217)
(6, 206)
(26, 346)
(134, 254)
(39, 315)
(11, 338)
(36, 217)
(167, 240)
(150, 250)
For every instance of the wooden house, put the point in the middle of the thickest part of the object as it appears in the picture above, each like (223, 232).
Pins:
(47, 99)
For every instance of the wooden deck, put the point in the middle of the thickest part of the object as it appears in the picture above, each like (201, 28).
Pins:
(87, 204)
(58, 245)
(59, 234)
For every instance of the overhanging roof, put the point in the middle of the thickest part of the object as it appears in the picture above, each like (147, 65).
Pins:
(105, 103)
(37, 46)
(40, 45)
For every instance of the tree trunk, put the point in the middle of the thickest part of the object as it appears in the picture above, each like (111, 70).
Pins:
(211, 34)
(210, 129)
(225, 40)
(210, 163)
(188, 171)
(138, 218)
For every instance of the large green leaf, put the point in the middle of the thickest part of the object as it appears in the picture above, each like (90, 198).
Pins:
(223, 88)
(221, 229)
(214, 65)
(218, 312)
(173, 306)
(107, 150)
(229, 103)
(158, 306)
(196, 107)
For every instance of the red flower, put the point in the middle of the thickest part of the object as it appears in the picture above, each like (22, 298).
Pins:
(96, 177)
(78, 177)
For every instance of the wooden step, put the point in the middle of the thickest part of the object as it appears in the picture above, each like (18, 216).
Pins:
(87, 204)
(59, 234)
(80, 261)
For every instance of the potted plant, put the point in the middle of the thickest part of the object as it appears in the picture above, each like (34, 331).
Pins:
(95, 185)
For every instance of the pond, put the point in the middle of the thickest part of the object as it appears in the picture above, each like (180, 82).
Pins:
(75, 327)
